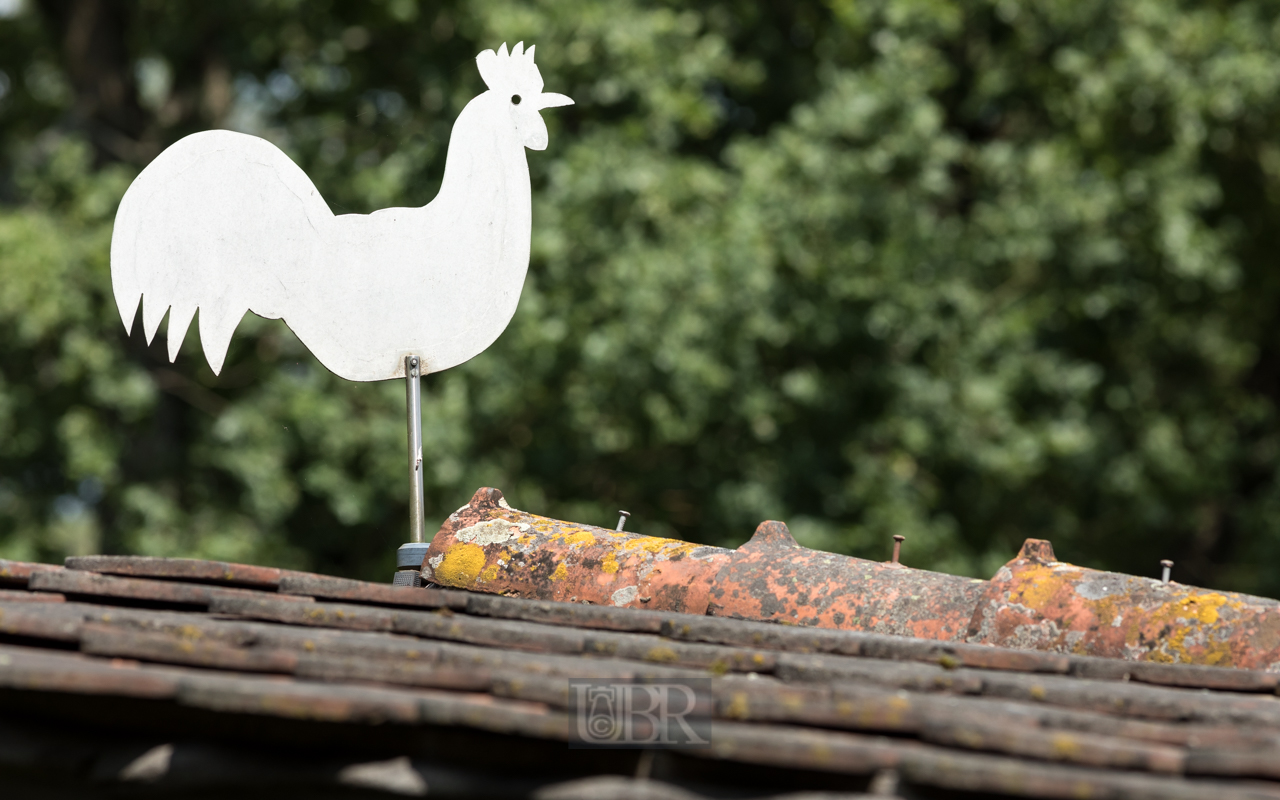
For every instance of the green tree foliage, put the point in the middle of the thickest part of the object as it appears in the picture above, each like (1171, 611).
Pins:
(970, 272)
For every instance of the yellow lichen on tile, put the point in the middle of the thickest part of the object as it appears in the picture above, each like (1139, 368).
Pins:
(1192, 615)
(662, 655)
(1038, 584)
(461, 565)
(1065, 746)
(579, 539)
(656, 545)
(1204, 608)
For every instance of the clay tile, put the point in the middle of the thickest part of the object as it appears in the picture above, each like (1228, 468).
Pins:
(769, 535)
(1037, 550)
(485, 498)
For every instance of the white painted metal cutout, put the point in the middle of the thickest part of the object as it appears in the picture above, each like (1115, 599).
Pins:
(227, 223)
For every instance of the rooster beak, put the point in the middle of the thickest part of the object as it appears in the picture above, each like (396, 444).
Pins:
(551, 100)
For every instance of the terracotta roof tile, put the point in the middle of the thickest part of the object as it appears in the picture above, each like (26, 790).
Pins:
(1032, 603)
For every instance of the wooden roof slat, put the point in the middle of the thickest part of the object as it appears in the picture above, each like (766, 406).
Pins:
(91, 584)
(1137, 700)
(32, 669)
(242, 694)
(940, 767)
(330, 588)
(103, 639)
(1126, 699)
(20, 596)
(400, 672)
(982, 732)
(58, 622)
(321, 615)
(187, 569)
(17, 573)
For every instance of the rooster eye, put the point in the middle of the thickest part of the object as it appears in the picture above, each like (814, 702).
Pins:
(515, 99)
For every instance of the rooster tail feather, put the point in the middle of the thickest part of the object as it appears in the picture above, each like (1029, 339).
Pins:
(124, 283)
(152, 313)
(217, 323)
(128, 302)
(179, 321)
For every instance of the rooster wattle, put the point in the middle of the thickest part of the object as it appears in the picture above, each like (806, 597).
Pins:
(226, 223)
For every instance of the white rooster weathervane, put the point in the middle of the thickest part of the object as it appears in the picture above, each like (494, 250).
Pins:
(227, 223)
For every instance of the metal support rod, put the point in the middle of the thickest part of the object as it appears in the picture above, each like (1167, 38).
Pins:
(898, 539)
(1168, 570)
(413, 395)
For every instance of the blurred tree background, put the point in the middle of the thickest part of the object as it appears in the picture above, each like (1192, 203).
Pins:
(966, 271)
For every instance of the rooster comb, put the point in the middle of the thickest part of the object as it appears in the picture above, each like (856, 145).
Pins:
(514, 71)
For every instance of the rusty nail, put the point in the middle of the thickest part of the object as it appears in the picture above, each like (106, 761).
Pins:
(898, 539)
(622, 520)
(1168, 568)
